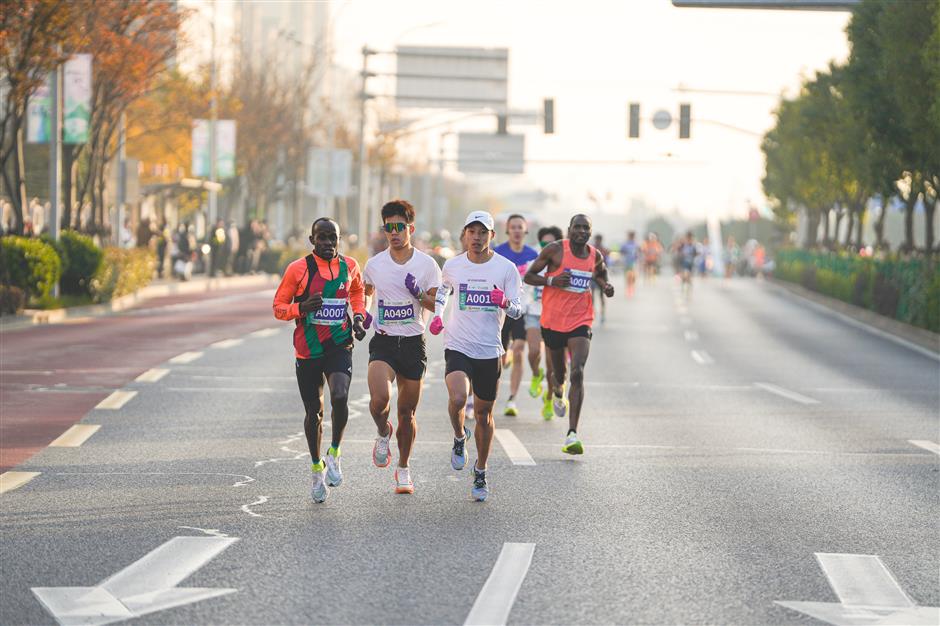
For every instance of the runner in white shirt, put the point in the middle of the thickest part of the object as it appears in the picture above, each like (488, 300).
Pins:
(403, 281)
(487, 288)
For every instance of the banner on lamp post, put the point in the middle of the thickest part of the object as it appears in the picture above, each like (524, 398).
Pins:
(225, 132)
(77, 99)
(39, 115)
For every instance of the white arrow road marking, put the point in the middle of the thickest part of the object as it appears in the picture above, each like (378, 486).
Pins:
(513, 447)
(13, 480)
(265, 332)
(227, 343)
(786, 393)
(186, 357)
(144, 587)
(75, 436)
(702, 358)
(116, 400)
(926, 445)
(152, 375)
(495, 601)
(868, 594)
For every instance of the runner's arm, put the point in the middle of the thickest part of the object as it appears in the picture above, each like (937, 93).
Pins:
(547, 258)
(284, 307)
(600, 270)
(368, 291)
(356, 288)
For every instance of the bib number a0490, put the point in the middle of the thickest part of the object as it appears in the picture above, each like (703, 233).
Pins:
(332, 313)
(392, 312)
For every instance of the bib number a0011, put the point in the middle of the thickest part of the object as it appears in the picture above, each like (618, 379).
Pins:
(474, 295)
(393, 312)
(580, 281)
(332, 313)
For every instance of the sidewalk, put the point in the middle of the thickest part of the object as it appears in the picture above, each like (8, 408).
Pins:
(157, 289)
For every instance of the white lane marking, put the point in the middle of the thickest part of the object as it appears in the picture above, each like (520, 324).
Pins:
(241, 483)
(514, 448)
(75, 436)
(691, 335)
(265, 332)
(14, 480)
(702, 358)
(926, 445)
(146, 586)
(186, 357)
(232, 389)
(212, 532)
(152, 375)
(868, 594)
(786, 393)
(495, 601)
(116, 400)
(247, 507)
(227, 343)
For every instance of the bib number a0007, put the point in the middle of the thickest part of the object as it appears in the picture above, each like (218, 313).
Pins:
(393, 312)
(332, 313)
(580, 281)
(474, 295)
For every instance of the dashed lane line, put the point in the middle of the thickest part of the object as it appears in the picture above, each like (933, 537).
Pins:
(186, 357)
(786, 393)
(926, 445)
(14, 480)
(116, 400)
(75, 436)
(702, 358)
(514, 449)
(265, 332)
(691, 335)
(152, 375)
(495, 601)
(227, 343)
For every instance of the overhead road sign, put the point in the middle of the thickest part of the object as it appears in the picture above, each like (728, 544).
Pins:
(799, 5)
(452, 78)
(488, 153)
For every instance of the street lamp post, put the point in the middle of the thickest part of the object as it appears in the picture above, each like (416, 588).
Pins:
(213, 118)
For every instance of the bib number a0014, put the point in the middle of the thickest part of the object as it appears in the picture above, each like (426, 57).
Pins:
(332, 313)
(474, 295)
(580, 281)
(394, 312)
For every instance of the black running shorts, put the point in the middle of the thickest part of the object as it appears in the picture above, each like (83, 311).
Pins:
(513, 329)
(406, 355)
(312, 373)
(483, 373)
(555, 340)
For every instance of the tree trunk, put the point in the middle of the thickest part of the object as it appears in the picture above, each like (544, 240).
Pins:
(67, 188)
(930, 208)
(909, 203)
(879, 225)
(850, 226)
(825, 217)
(19, 181)
(812, 225)
(860, 226)
(840, 213)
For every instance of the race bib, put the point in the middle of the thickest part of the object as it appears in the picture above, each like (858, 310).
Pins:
(332, 313)
(474, 295)
(537, 294)
(580, 281)
(392, 312)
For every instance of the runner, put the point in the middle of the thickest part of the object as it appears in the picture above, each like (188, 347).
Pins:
(567, 314)
(651, 249)
(487, 287)
(546, 236)
(404, 281)
(596, 289)
(685, 254)
(518, 332)
(315, 292)
(630, 253)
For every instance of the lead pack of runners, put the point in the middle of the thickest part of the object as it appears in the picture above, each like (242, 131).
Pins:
(483, 301)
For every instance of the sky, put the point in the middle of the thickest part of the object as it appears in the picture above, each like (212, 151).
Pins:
(594, 57)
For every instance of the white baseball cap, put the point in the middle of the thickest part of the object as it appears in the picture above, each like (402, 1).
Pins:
(483, 217)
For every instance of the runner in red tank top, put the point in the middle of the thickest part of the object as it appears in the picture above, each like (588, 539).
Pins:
(567, 314)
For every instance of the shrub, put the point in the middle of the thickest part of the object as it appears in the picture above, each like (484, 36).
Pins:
(31, 265)
(12, 300)
(122, 272)
(82, 259)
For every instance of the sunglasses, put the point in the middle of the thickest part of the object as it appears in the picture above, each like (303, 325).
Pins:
(542, 244)
(394, 227)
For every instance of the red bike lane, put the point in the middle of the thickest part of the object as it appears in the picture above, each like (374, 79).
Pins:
(52, 375)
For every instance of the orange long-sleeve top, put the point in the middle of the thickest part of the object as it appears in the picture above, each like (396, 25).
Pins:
(295, 279)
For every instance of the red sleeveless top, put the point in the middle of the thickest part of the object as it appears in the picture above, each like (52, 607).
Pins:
(563, 310)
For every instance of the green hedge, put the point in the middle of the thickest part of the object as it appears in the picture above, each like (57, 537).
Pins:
(81, 260)
(906, 290)
(12, 300)
(30, 264)
(122, 272)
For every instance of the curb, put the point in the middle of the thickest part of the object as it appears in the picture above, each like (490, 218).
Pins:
(31, 317)
(919, 339)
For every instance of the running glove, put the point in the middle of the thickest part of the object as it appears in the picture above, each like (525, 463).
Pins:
(367, 322)
(411, 284)
(498, 297)
(437, 325)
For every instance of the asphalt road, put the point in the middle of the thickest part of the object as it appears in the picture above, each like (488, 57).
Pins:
(730, 439)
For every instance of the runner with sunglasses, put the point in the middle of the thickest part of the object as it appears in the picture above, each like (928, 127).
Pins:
(403, 281)
(315, 293)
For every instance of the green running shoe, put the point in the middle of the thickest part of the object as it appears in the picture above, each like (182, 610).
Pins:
(536, 387)
(548, 413)
(572, 444)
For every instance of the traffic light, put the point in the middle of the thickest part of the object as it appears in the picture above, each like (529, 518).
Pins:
(634, 122)
(548, 116)
(685, 121)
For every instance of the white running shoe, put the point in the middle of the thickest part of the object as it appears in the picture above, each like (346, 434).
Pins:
(480, 489)
(560, 406)
(334, 470)
(511, 409)
(381, 456)
(403, 482)
(318, 489)
(458, 454)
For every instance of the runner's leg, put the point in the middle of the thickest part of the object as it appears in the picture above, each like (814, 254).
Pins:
(339, 403)
(380, 377)
(515, 377)
(458, 386)
(409, 393)
(484, 431)
(580, 347)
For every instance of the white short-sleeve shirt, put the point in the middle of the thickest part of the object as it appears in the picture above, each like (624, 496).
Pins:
(398, 312)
